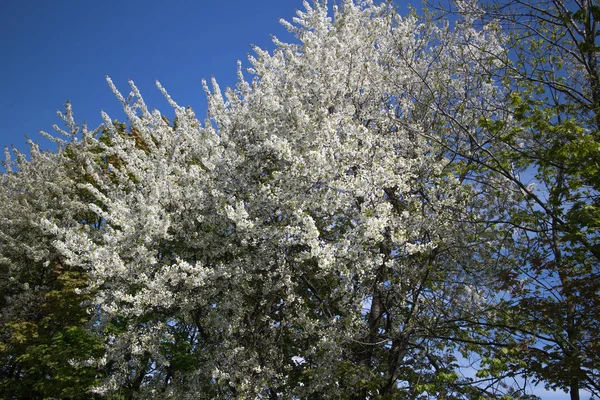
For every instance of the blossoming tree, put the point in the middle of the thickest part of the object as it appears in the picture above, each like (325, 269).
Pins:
(314, 236)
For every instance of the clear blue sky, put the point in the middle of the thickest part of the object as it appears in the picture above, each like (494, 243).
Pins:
(54, 51)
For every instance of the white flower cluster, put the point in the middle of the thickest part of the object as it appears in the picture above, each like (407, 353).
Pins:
(235, 257)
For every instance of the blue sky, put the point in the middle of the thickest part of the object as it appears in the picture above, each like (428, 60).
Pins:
(52, 52)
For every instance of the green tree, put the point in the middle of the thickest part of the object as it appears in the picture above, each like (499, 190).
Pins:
(548, 146)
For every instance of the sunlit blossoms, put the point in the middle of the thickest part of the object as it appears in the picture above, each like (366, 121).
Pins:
(312, 238)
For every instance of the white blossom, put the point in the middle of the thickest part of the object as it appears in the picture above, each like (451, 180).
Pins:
(262, 240)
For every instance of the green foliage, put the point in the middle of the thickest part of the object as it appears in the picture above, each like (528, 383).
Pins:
(37, 353)
(554, 285)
